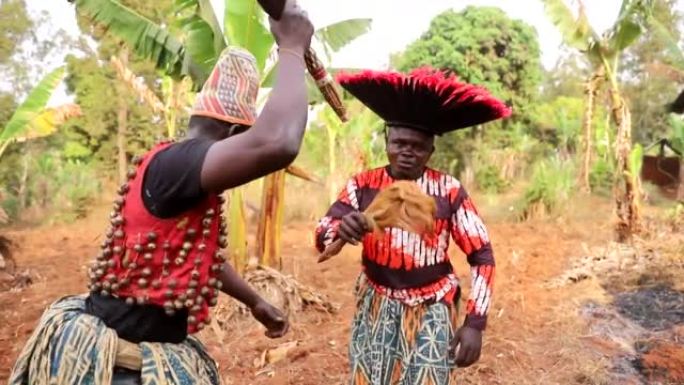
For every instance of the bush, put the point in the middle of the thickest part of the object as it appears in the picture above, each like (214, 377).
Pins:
(601, 176)
(489, 179)
(77, 189)
(552, 185)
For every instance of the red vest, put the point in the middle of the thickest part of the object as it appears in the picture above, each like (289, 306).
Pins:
(172, 263)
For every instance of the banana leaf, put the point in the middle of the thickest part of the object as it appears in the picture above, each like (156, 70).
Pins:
(32, 107)
(244, 26)
(150, 41)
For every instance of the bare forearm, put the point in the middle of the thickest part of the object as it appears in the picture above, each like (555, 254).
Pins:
(273, 141)
(236, 287)
(284, 115)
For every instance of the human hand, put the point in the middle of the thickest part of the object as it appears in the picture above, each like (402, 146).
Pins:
(353, 227)
(466, 346)
(273, 319)
(294, 29)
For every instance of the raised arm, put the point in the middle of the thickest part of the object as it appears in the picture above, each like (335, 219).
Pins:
(274, 140)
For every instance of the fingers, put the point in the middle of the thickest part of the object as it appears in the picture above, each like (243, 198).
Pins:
(278, 330)
(353, 228)
(461, 355)
(467, 355)
(349, 233)
(360, 221)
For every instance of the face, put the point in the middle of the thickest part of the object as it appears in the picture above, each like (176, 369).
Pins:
(408, 152)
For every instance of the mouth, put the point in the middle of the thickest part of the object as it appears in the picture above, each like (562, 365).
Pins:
(403, 163)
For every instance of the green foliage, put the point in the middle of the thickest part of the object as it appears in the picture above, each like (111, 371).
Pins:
(648, 89)
(551, 186)
(496, 158)
(98, 90)
(151, 41)
(601, 176)
(359, 143)
(7, 107)
(560, 122)
(244, 26)
(636, 161)
(603, 50)
(484, 46)
(576, 33)
(30, 108)
(64, 187)
(567, 77)
(336, 36)
(489, 179)
(16, 24)
(676, 132)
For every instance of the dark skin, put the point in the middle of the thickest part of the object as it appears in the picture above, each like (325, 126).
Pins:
(408, 152)
(240, 155)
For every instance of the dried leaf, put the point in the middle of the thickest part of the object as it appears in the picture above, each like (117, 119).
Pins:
(280, 353)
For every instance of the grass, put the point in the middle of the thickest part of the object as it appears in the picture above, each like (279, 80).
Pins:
(551, 186)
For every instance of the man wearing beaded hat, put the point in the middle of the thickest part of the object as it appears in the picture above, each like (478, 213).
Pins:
(160, 268)
(405, 329)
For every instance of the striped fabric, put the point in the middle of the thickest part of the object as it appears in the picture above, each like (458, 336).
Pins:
(231, 91)
(395, 344)
(73, 348)
(403, 258)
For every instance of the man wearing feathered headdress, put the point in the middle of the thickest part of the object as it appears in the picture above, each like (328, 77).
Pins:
(405, 329)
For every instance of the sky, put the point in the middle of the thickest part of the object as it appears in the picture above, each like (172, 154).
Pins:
(396, 23)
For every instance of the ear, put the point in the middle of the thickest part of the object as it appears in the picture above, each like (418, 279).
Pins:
(233, 129)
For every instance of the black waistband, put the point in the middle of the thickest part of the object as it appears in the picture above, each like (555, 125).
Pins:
(403, 279)
(135, 323)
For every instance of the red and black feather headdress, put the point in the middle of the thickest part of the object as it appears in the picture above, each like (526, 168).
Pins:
(426, 99)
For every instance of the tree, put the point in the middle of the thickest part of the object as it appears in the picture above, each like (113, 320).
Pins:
(561, 80)
(482, 45)
(16, 26)
(604, 53)
(644, 64)
(115, 125)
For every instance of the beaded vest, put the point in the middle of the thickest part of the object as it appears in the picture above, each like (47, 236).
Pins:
(172, 263)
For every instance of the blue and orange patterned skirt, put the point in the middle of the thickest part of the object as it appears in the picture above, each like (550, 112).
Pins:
(396, 344)
(71, 347)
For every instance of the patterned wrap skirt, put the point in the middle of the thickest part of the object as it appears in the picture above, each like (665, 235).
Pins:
(71, 347)
(396, 344)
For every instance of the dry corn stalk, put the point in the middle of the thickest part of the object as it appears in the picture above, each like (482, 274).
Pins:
(138, 86)
(402, 205)
(325, 83)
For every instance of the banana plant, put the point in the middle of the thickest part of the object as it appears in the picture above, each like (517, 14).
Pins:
(604, 52)
(193, 52)
(31, 119)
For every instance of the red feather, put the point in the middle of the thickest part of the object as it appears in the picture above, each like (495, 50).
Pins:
(425, 99)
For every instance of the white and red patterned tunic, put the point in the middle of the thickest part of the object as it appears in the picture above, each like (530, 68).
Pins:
(412, 268)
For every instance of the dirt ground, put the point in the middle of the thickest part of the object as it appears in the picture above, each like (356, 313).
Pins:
(536, 335)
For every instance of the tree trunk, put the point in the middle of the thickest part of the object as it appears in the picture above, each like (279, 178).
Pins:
(590, 92)
(680, 190)
(626, 189)
(237, 225)
(270, 222)
(122, 121)
(23, 182)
